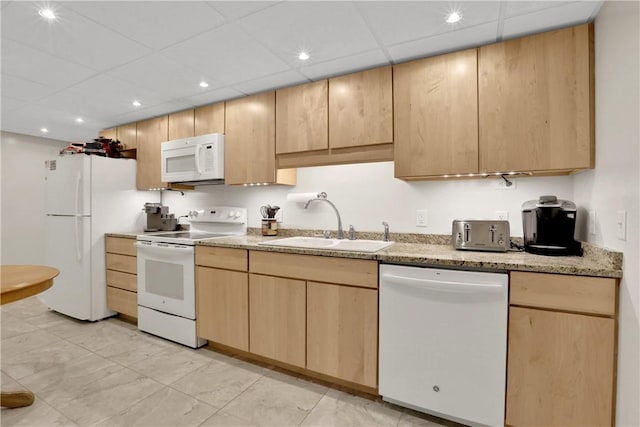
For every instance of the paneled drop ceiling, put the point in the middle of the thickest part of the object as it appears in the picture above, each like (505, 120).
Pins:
(96, 58)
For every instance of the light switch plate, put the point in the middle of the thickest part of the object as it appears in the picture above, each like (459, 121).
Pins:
(422, 216)
(621, 225)
(279, 216)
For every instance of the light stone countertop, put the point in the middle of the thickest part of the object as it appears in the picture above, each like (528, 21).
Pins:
(431, 251)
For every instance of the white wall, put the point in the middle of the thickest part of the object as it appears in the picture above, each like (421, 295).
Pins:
(367, 194)
(22, 213)
(614, 184)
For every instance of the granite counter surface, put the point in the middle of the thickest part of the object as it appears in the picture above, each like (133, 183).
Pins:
(596, 262)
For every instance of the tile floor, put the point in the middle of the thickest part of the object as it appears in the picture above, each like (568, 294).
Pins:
(110, 374)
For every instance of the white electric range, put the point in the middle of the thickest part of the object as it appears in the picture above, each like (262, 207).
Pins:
(166, 272)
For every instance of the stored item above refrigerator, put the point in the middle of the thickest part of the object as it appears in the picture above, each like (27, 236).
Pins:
(548, 225)
(480, 235)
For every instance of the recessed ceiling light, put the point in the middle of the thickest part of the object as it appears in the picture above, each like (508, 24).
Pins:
(44, 130)
(204, 84)
(47, 14)
(80, 120)
(453, 17)
(136, 103)
(303, 56)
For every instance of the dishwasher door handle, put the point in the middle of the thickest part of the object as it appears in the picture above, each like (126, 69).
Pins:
(443, 286)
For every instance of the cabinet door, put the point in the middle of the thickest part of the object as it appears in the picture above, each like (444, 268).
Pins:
(127, 135)
(302, 118)
(535, 102)
(222, 307)
(277, 317)
(249, 155)
(361, 109)
(436, 115)
(151, 133)
(342, 332)
(560, 369)
(209, 119)
(109, 133)
(181, 124)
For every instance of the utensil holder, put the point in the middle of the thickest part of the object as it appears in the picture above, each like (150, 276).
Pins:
(269, 227)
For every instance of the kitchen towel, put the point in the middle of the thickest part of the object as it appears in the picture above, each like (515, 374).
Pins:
(301, 197)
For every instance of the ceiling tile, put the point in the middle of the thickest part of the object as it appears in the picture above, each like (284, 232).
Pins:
(397, 22)
(226, 54)
(155, 24)
(556, 17)
(237, 9)
(217, 95)
(160, 74)
(147, 113)
(345, 65)
(443, 43)
(10, 104)
(327, 30)
(514, 8)
(274, 81)
(70, 36)
(28, 63)
(24, 90)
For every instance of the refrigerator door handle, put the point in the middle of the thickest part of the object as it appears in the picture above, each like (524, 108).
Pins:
(77, 232)
(78, 178)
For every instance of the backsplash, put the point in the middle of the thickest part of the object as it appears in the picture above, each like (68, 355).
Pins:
(367, 194)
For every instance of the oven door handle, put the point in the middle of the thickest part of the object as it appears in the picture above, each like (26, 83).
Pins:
(165, 249)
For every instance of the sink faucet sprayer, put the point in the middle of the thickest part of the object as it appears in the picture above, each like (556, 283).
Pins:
(323, 197)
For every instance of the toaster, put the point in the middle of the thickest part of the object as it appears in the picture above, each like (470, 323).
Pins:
(480, 235)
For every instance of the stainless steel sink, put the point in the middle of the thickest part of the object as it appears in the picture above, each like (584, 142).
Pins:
(332, 244)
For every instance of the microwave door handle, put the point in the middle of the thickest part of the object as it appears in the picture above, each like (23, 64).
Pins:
(198, 169)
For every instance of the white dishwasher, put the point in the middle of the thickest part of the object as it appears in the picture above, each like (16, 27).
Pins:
(443, 342)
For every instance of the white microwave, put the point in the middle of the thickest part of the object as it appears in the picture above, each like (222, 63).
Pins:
(194, 161)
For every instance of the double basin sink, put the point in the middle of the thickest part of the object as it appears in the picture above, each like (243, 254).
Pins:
(329, 244)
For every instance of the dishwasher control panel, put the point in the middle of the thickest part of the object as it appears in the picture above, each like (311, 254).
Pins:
(480, 235)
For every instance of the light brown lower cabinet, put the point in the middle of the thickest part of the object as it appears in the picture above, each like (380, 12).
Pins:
(342, 332)
(277, 318)
(121, 275)
(222, 306)
(561, 364)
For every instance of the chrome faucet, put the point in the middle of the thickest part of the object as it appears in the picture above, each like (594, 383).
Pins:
(323, 197)
(386, 231)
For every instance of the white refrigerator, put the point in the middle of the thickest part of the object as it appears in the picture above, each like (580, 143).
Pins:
(86, 197)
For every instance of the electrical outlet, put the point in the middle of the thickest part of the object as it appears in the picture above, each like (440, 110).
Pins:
(502, 215)
(279, 217)
(592, 222)
(501, 184)
(421, 217)
(621, 225)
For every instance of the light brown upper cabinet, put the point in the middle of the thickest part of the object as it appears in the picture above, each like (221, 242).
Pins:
(126, 134)
(111, 133)
(536, 107)
(151, 133)
(209, 119)
(250, 142)
(181, 124)
(361, 109)
(302, 118)
(436, 116)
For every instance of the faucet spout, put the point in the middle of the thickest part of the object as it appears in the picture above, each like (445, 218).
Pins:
(323, 198)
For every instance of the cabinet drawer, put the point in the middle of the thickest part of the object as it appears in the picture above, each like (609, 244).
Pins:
(594, 295)
(344, 271)
(125, 302)
(119, 245)
(124, 263)
(227, 258)
(126, 281)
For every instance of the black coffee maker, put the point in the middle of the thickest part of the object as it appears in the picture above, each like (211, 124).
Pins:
(548, 225)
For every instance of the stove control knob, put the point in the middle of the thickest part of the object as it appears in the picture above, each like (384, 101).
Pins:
(231, 214)
(193, 213)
